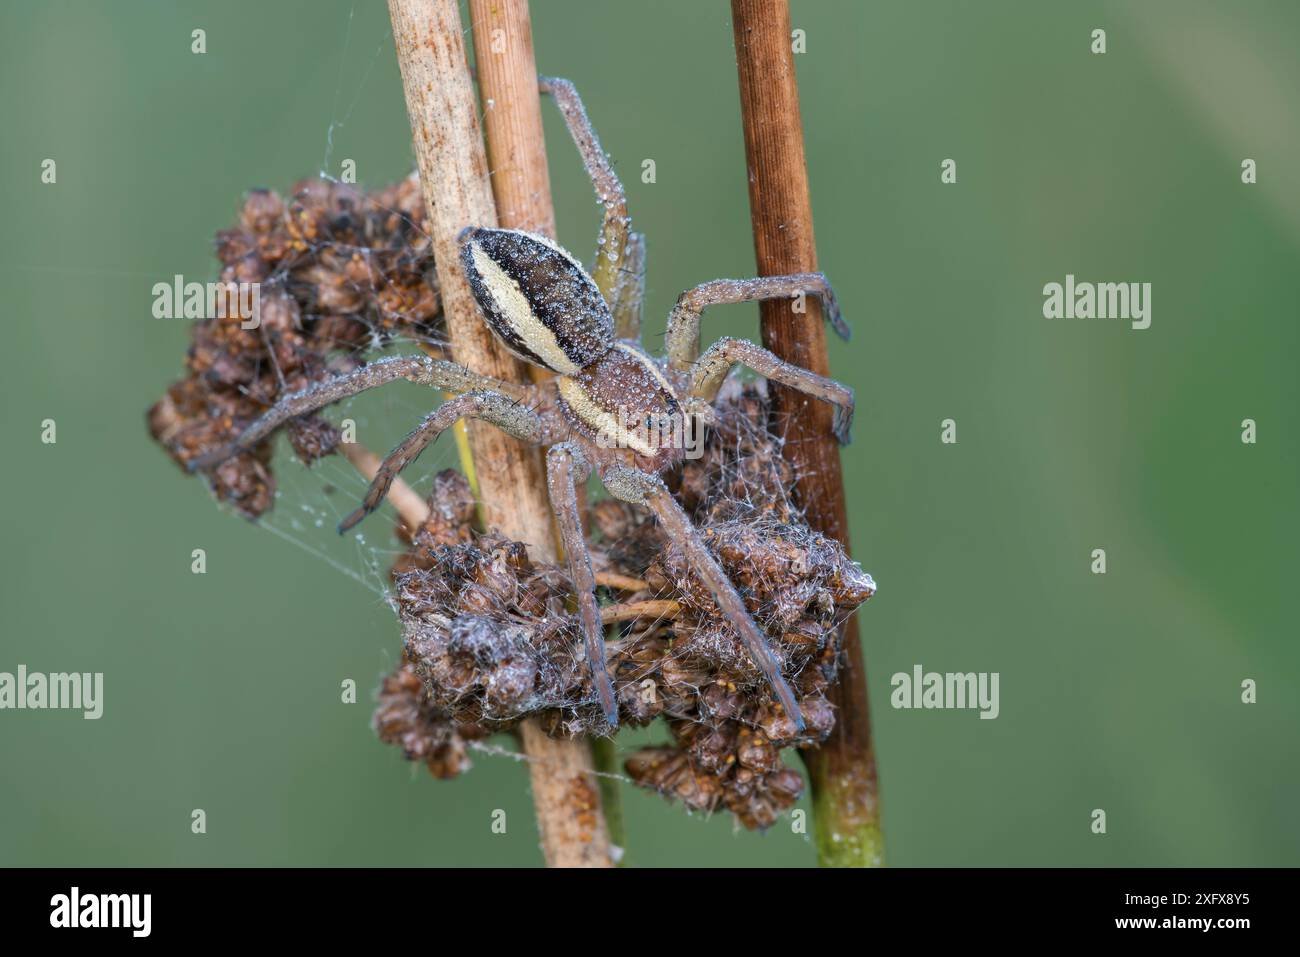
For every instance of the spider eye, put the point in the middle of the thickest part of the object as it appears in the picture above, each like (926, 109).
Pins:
(537, 299)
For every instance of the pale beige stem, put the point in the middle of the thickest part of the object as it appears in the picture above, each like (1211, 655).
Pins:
(454, 177)
(621, 582)
(651, 608)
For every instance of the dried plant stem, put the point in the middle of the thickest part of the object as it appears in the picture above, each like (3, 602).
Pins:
(454, 178)
(512, 114)
(650, 608)
(621, 582)
(521, 185)
(843, 770)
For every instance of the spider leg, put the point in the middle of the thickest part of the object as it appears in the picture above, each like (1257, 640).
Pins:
(422, 370)
(501, 410)
(683, 336)
(611, 251)
(565, 467)
(642, 488)
(712, 369)
(629, 292)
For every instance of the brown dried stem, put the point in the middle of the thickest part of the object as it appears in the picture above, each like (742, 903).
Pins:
(621, 582)
(454, 177)
(655, 608)
(512, 114)
(843, 769)
(516, 147)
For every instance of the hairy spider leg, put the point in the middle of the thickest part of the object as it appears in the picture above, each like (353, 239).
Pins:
(720, 358)
(422, 370)
(642, 488)
(629, 292)
(732, 606)
(500, 410)
(611, 245)
(683, 334)
(565, 468)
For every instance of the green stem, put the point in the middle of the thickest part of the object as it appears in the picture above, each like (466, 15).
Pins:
(844, 841)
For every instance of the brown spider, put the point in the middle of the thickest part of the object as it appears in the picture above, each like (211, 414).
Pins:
(608, 405)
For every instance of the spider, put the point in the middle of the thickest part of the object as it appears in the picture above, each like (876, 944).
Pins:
(604, 408)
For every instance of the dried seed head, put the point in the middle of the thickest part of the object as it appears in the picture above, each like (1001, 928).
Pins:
(337, 269)
(799, 586)
(492, 636)
(489, 636)
(669, 772)
(405, 717)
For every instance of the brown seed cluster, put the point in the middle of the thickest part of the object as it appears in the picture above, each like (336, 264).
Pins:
(338, 270)
(485, 627)
(490, 637)
(728, 729)
(493, 638)
(405, 717)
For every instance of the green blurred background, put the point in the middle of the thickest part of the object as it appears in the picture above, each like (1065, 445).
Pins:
(1119, 692)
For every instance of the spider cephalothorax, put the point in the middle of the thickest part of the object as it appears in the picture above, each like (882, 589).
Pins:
(612, 408)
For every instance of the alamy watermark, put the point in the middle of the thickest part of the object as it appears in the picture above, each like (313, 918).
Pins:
(1130, 301)
(953, 690)
(647, 432)
(179, 299)
(76, 909)
(73, 691)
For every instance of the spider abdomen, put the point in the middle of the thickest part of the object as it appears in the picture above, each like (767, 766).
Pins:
(537, 298)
